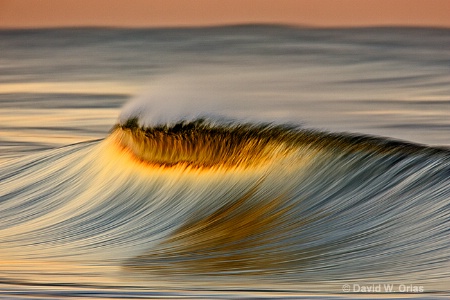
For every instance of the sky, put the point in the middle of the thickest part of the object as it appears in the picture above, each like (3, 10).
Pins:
(175, 13)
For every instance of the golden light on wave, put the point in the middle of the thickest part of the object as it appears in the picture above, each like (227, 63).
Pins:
(232, 240)
(199, 146)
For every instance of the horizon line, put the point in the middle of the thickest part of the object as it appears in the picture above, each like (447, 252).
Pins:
(224, 25)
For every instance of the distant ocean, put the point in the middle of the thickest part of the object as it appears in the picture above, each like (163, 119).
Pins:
(226, 162)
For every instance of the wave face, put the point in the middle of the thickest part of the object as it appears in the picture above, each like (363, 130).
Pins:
(206, 202)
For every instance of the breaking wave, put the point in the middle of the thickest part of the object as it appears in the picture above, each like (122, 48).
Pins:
(207, 201)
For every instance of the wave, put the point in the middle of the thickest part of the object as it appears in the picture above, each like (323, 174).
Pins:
(205, 200)
(201, 143)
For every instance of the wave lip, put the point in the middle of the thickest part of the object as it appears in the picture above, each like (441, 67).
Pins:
(203, 143)
(200, 144)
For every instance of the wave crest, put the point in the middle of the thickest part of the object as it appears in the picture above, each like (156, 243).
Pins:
(200, 144)
(204, 144)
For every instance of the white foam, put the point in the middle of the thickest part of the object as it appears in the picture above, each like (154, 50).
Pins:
(220, 97)
(168, 101)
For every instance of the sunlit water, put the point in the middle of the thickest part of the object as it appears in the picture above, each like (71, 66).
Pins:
(89, 211)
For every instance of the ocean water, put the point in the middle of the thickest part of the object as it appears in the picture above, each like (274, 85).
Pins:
(225, 162)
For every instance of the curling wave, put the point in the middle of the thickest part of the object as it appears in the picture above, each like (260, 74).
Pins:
(204, 200)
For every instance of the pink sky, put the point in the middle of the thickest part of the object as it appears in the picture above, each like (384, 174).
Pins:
(157, 13)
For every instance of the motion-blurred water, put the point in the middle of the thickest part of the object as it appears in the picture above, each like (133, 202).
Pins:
(80, 218)
(62, 86)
